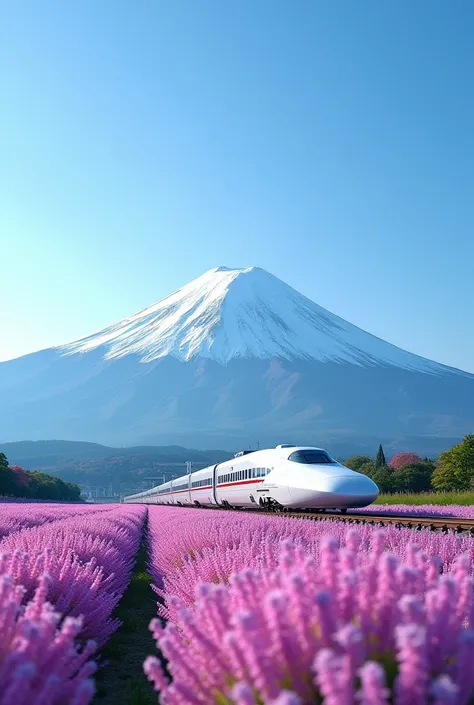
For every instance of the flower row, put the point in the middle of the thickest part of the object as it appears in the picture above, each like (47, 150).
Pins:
(448, 510)
(59, 584)
(16, 516)
(289, 612)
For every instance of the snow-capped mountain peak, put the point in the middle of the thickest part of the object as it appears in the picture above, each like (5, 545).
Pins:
(234, 313)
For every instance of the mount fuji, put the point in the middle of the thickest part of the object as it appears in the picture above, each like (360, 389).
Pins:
(234, 357)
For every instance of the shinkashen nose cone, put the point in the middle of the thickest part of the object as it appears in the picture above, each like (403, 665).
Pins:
(245, 313)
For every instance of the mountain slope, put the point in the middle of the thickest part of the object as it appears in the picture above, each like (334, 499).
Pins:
(234, 357)
(232, 313)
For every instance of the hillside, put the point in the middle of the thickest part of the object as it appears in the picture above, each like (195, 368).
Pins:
(89, 463)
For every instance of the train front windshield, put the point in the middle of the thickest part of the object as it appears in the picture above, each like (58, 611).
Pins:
(312, 457)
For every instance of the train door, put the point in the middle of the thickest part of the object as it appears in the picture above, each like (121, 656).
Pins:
(214, 484)
(187, 495)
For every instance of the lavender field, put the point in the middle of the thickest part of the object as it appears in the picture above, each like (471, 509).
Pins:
(63, 570)
(448, 510)
(249, 610)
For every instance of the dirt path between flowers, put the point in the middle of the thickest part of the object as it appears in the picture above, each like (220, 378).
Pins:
(122, 681)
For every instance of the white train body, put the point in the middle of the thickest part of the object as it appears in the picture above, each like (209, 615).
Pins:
(293, 477)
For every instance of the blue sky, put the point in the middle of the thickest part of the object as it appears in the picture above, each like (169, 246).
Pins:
(332, 143)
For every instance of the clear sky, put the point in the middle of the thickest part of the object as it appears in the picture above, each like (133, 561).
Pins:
(330, 142)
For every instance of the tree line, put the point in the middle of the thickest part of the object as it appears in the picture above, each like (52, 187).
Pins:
(408, 472)
(31, 484)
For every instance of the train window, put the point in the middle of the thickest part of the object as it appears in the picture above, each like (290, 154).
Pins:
(311, 457)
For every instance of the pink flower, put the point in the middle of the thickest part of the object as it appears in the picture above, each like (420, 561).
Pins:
(269, 610)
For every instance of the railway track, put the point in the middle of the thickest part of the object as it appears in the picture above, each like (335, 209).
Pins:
(400, 521)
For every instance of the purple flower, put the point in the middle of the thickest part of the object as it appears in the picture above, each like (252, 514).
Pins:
(373, 690)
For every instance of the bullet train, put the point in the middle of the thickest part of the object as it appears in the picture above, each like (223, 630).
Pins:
(285, 477)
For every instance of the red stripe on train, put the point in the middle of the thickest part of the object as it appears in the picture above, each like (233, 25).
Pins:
(209, 487)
